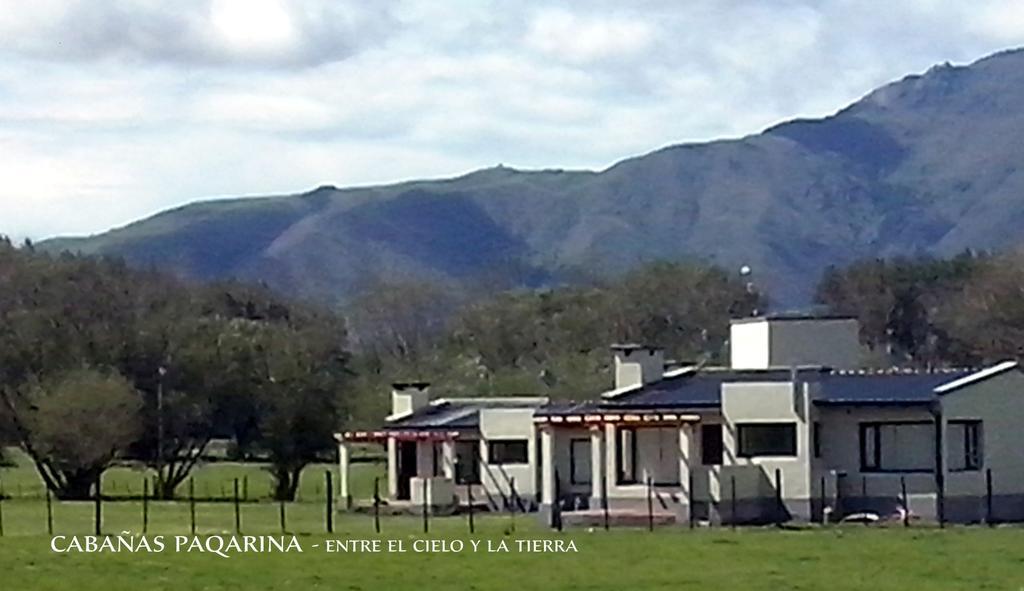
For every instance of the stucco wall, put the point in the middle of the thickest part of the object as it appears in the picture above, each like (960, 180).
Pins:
(509, 423)
(764, 343)
(999, 404)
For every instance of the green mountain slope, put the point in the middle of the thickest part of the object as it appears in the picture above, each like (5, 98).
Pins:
(929, 164)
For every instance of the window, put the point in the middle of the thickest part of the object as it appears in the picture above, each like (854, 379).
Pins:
(897, 447)
(579, 461)
(625, 455)
(507, 451)
(964, 445)
(766, 439)
(711, 445)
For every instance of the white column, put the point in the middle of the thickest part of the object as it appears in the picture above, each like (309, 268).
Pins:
(448, 458)
(392, 468)
(610, 461)
(547, 452)
(343, 465)
(686, 456)
(596, 463)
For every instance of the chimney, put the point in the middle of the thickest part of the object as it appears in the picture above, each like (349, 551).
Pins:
(409, 397)
(636, 365)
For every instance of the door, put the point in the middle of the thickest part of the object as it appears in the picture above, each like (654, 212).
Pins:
(579, 461)
(406, 467)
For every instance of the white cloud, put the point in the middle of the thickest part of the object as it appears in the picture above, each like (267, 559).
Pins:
(111, 111)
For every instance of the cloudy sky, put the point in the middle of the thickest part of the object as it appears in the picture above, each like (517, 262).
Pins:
(113, 110)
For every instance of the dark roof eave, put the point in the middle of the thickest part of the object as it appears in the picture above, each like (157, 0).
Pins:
(875, 402)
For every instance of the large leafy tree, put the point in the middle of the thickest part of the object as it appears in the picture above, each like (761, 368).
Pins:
(74, 425)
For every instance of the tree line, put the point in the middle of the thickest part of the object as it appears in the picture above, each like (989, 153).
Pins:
(101, 363)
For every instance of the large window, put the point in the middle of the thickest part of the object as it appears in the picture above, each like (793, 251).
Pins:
(897, 447)
(507, 451)
(964, 445)
(467, 461)
(766, 439)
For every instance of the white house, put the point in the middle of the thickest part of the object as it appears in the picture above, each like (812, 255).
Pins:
(790, 430)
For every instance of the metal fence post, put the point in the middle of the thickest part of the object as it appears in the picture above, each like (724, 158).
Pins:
(779, 505)
(192, 503)
(689, 496)
(2, 495)
(330, 502)
(650, 505)
(426, 507)
(238, 509)
(376, 504)
(989, 517)
(145, 505)
(604, 500)
(49, 512)
(469, 495)
(823, 500)
(733, 517)
(511, 502)
(906, 501)
(99, 504)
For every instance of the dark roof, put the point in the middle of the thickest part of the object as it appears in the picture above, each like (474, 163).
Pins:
(779, 316)
(460, 415)
(901, 388)
(694, 390)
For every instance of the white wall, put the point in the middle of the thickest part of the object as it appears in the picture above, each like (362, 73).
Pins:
(748, 345)
(763, 343)
(509, 423)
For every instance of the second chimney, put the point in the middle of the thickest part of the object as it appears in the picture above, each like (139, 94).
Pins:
(409, 397)
(636, 365)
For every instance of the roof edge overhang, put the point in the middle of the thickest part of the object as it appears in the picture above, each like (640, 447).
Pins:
(978, 376)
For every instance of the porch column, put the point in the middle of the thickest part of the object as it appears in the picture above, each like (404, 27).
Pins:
(547, 452)
(596, 465)
(392, 468)
(343, 465)
(610, 461)
(686, 456)
(448, 458)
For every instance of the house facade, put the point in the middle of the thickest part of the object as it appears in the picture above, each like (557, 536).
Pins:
(791, 429)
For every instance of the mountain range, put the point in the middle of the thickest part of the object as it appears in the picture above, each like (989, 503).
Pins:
(930, 164)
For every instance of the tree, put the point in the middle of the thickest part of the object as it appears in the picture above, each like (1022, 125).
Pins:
(74, 424)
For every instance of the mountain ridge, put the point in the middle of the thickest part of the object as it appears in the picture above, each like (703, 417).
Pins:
(925, 164)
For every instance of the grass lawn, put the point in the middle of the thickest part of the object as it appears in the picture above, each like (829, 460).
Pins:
(834, 559)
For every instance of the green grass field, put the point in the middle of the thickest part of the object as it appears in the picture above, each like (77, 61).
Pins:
(847, 558)
(212, 479)
(837, 559)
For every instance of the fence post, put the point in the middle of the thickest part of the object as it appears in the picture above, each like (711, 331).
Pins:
(1, 508)
(99, 504)
(779, 506)
(284, 527)
(650, 505)
(989, 518)
(426, 507)
(330, 502)
(822, 500)
(604, 499)
(238, 509)
(192, 503)
(376, 504)
(469, 495)
(145, 505)
(906, 501)
(511, 502)
(49, 512)
(733, 518)
(690, 497)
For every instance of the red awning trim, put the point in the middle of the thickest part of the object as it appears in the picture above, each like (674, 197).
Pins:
(619, 419)
(379, 436)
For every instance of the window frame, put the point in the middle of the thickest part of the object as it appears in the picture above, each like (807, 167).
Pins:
(974, 448)
(875, 466)
(495, 444)
(789, 425)
(621, 477)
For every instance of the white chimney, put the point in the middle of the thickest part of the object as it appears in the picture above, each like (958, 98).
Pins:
(409, 397)
(636, 365)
